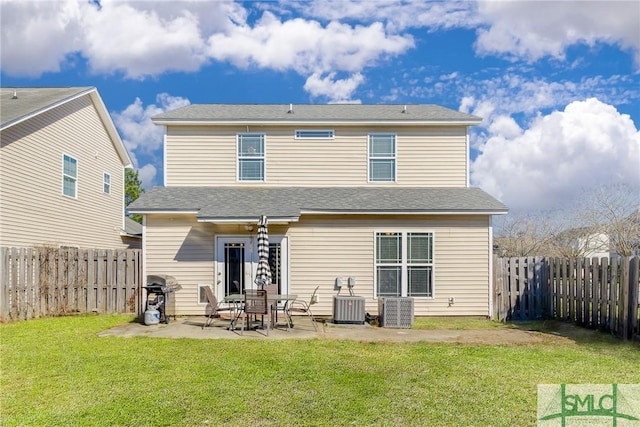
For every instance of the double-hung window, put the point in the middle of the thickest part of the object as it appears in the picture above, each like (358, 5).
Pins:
(382, 157)
(69, 176)
(251, 157)
(404, 264)
(106, 183)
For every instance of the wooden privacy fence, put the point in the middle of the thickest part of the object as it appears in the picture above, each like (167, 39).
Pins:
(598, 293)
(44, 281)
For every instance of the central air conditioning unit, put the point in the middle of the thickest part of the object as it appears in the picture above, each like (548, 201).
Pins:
(395, 312)
(348, 310)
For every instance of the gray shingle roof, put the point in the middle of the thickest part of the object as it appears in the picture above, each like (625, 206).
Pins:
(32, 100)
(336, 113)
(220, 203)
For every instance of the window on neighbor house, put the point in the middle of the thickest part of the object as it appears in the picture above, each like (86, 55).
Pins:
(69, 176)
(106, 183)
(382, 157)
(404, 264)
(251, 157)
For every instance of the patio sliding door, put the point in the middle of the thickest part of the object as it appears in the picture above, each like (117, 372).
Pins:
(237, 261)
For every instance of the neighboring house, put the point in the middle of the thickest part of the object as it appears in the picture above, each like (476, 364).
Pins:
(61, 169)
(132, 234)
(379, 193)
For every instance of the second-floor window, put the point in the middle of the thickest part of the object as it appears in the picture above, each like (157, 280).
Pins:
(382, 157)
(106, 183)
(69, 176)
(251, 157)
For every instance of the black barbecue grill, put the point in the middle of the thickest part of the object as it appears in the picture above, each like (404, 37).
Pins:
(160, 288)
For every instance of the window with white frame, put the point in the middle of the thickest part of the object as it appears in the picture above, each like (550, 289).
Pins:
(404, 264)
(314, 134)
(251, 157)
(69, 176)
(106, 183)
(382, 157)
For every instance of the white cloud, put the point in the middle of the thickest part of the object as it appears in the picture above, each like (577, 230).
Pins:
(531, 30)
(138, 132)
(339, 90)
(527, 30)
(587, 145)
(309, 48)
(398, 15)
(37, 37)
(141, 136)
(147, 175)
(144, 39)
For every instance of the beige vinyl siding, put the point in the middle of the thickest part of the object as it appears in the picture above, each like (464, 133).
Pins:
(183, 248)
(322, 248)
(33, 210)
(434, 156)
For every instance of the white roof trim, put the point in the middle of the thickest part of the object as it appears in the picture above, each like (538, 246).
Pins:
(430, 212)
(160, 211)
(244, 220)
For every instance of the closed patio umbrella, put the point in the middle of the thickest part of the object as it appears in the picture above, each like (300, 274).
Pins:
(263, 275)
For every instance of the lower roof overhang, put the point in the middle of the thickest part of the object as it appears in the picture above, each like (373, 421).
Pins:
(283, 205)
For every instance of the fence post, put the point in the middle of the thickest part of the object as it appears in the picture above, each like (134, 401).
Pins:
(633, 323)
(579, 291)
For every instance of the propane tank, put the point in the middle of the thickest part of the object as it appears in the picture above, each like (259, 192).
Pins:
(151, 317)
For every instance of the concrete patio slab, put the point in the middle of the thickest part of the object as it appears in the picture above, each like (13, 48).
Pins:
(191, 327)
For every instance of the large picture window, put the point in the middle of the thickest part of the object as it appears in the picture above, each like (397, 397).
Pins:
(69, 176)
(251, 157)
(404, 264)
(382, 157)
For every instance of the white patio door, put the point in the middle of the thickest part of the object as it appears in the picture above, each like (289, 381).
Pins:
(234, 264)
(237, 262)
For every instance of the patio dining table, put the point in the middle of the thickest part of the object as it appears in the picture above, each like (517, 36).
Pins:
(273, 299)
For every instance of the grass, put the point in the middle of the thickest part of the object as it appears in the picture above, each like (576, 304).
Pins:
(57, 372)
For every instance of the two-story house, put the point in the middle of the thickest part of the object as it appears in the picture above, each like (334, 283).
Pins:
(62, 168)
(378, 193)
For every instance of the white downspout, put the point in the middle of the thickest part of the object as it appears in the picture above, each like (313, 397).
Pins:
(491, 284)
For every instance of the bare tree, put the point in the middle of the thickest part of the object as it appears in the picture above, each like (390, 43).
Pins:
(611, 215)
(602, 220)
(524, 234)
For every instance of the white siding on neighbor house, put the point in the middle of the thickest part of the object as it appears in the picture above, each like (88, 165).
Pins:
(33, 209)
(322, 248)
(206, 156)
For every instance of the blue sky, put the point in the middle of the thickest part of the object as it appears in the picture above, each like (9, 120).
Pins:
(557, 83)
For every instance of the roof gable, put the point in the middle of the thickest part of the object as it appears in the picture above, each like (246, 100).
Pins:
(21, 104)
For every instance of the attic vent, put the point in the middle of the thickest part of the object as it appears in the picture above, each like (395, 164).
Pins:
(290, 109)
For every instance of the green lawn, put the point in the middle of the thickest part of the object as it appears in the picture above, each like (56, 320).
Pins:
(58, 372)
